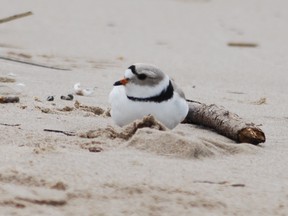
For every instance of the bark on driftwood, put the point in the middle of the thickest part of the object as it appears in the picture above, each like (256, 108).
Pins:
(9, 99)
(17, 16)
(224, 122)
(32, 63)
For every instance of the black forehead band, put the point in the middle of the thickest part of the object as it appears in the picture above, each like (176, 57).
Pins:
(133, 69)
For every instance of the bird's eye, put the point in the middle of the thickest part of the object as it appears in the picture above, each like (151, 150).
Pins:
(142, 76)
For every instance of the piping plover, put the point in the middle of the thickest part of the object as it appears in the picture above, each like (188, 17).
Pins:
(145, 90)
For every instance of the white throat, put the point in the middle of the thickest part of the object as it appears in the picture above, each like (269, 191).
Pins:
(141, 91)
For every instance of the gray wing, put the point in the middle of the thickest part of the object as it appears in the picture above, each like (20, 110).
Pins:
(178, 90)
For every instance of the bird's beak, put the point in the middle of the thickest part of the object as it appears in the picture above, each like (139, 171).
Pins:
(121, 82)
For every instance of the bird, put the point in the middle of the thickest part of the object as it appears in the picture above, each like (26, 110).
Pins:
(146, 90)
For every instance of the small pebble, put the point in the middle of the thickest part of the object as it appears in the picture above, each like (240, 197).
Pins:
(95, 149)
(50, 98)
(68, 97)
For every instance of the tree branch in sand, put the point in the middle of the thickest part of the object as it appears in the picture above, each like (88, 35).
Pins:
(224, 122)
(9, 99)
(67, 133)
(10, 125)
(17, 16)
(32, 63)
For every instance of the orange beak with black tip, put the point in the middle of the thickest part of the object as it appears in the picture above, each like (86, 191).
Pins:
(121, 82)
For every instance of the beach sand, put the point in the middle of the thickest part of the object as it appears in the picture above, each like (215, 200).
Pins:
(186, 171)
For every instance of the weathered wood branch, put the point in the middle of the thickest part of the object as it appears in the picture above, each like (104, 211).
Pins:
(17, 16)
(13, 99)
(242, 44)
(67, 133)
(224, 122)
(32, 63)
(10, 125)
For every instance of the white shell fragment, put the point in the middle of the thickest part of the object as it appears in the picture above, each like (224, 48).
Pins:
(11, 74)
(82, 91)
(20, 84)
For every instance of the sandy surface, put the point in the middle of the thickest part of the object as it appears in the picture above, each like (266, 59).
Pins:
(186, 171)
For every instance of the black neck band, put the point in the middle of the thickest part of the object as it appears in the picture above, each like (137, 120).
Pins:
(165, 95)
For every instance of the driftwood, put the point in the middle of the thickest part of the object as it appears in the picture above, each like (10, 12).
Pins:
(67, 133)
(10, 125)
(224, 122)
(9, 99)
(242, 44)
(17, 16)
(32, 63)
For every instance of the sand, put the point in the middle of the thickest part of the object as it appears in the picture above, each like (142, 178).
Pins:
(97, 168)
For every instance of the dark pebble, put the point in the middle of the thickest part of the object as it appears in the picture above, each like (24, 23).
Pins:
(68, 97)
(50, 98)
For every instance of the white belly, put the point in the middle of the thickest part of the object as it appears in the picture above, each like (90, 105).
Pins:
(124, 111)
